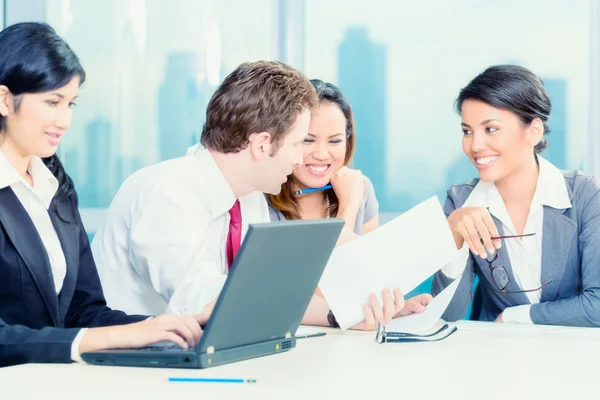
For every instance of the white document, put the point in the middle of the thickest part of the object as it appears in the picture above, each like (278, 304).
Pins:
(307, 330)
(416, 323)
(402, 253)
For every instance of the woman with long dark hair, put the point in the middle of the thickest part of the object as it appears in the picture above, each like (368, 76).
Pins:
(52, 305)
(328, 151)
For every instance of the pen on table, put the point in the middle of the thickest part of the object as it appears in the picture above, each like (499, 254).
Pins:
(310, 335)
(213, 380)
(310, 190)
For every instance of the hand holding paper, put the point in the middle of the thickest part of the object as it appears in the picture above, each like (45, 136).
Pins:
(374, 313)
(402, 253)
(416, 323)
(415, 305)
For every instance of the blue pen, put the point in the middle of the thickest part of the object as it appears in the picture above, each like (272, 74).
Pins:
(310, 190)
(213, 380)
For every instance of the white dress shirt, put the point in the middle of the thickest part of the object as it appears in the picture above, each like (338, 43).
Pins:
(36, 201)
(525, 254)
(162, 245)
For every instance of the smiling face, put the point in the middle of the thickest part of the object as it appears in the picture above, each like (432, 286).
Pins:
(497, 141)
(35, 122)
(324, 148)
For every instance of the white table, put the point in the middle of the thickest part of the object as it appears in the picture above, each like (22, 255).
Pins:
(481, 360)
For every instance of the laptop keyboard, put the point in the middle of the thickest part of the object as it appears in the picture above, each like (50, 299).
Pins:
(162, 348)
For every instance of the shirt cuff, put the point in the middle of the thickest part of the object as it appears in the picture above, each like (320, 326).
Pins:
(191, 299)
(456, 267)
(518, 314)
(75, 355)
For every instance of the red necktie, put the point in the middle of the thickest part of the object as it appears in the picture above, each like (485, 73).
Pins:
(234, 237)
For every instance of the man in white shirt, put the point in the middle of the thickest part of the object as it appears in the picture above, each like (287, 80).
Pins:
(174, 228)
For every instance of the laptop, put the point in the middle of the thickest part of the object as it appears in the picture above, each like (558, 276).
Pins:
(269, 286)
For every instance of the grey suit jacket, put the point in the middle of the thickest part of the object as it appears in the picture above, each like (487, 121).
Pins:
(570, 257)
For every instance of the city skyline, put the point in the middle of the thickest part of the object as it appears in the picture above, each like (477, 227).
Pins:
(556, 151)
(96, 188)
(182, 104)
(127, 59)
(182, 121)
(362, 79)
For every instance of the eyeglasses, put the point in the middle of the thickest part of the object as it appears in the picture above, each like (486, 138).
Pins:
(499, 273)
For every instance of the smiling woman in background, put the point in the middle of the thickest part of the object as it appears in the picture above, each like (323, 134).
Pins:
(533, 231)
(50, 293)
(328, 150)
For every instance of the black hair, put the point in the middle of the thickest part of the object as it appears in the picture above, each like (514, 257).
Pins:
(512, 88)
(329, 92)
(34, 59)
(285, 201)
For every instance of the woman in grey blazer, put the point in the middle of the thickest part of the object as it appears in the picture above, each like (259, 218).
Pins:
(528, 230)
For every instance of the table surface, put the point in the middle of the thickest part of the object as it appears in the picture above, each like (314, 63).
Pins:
(480, 360)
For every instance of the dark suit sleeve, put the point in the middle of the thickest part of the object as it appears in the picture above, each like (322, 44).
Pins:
(19, 344)
(459, 305)
(88, 307)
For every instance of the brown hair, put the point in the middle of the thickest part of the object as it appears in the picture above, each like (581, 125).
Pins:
(263, 96)
(285, 201)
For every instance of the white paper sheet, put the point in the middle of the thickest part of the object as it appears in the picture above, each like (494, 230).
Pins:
(402, 253)
(416, 323)
(307, 330)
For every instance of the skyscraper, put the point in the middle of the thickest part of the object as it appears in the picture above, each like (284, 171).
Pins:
(71, 165)
(97, 191)
(362, 78)
(291, 32)
(556, 150)
(181, 104)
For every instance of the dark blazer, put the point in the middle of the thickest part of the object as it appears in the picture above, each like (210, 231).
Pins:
(570, 257)
(36, 325)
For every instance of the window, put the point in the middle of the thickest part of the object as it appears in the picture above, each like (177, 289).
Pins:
(402, 64)
(151, 69)
(152, 66)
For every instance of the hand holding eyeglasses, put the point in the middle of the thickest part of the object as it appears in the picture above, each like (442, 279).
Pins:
(475, 226)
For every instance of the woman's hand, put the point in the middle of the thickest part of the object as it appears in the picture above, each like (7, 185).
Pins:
(415, 305)
(349, 187)
(475, 226)
(182, 330)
